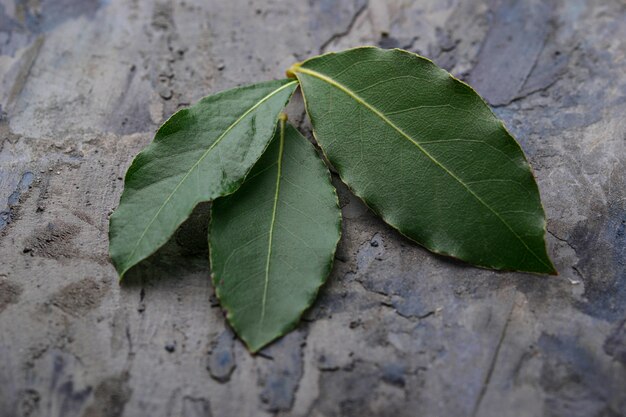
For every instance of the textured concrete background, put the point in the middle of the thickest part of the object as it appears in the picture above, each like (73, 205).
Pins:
(397, 331)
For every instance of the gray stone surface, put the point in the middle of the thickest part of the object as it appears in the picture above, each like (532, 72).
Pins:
(397, 331)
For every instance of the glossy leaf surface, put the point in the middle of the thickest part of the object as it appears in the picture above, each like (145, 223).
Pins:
(272, 242)
(199, 154)
(424, 151)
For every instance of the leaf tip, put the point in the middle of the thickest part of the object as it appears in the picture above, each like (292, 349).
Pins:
(254, 350)
(551, 269)
(255, 346)
(548, 269)
(121, 273)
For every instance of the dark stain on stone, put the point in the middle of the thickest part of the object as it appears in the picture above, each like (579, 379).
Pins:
(601, 244)
(285, 371)
(53, 241)
(443, 52)
(352, 392)
(196, 407)
(73, 399)
(130, 114)
(44, 15)
(388, 42)
(221, 360)
(406, 295)
(22, 186)
(9, 294)
(325, 363)
(14, 32)
(511, 49)
(394, 373)
(573, 380)
(110, 397)
(57, 367)
(162, 17)
(79, 298)
(28, 403)
(370, 251)
(615, 344)
(9, 213)
(7, 24)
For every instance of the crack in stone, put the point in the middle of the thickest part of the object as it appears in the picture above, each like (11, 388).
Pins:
(339, 35)
(562, 240)
(494, 360)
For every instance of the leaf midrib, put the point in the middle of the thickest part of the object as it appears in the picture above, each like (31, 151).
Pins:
(195, 165)
(384, 118)
(272, 223)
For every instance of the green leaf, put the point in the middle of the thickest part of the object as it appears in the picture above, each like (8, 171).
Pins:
(424, 151)
(200, 153)
(273, 241)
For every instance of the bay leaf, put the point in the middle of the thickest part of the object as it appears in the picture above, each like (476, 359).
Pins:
(200, 153)
(272, 242)
(426, 153)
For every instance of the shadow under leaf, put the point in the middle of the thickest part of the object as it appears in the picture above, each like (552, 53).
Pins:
(185, 253)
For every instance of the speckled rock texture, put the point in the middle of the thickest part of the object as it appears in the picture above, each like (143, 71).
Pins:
(397, 331)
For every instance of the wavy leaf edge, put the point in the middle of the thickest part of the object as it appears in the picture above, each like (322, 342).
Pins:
(294, 69)
(164, 125)
(311, 301)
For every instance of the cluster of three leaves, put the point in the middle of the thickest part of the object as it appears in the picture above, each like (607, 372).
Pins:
(419, 147)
